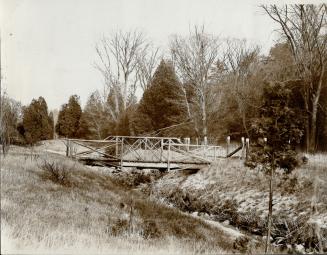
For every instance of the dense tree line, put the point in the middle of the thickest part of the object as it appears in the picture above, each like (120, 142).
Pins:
(205, 86)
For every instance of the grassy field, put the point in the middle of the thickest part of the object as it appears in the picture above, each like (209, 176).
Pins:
(75, 209)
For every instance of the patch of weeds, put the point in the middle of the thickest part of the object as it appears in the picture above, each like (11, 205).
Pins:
(290, 184)
(242, 244)
(120, 227)
(151, 229)
(56, 171)
(132, 179)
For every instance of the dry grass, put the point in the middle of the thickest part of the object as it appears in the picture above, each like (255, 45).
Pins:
(92, 214)
(229, 191)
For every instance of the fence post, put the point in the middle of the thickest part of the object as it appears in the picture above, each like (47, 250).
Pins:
(205, 140)
(168, 158)
(227, 146)
(247, 141)
(121, 153)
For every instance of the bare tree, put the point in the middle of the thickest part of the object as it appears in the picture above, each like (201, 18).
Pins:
(241, 61)
(96, 110)
(196, 58)
(125, 64)
(304, 28)
(147, 62)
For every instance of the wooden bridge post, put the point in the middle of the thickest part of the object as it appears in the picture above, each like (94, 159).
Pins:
(116, 146)
(70, 149)
(227, 145)
(247, 141)
(168, 158)
(205, 140)
(243, 147)
(122, 153)
(188, 143)
(161, 149)
(67, 148)
(215, 150)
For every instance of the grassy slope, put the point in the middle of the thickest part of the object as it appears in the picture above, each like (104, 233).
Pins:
(229, 189)
(91, 213)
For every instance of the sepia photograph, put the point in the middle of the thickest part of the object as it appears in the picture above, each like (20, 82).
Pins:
(178, 127)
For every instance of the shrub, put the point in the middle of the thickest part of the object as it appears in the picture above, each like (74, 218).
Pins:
(57, 171)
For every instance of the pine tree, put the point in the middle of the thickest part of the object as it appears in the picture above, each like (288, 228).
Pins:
(162, 103)
(69, 118)
(36, 121)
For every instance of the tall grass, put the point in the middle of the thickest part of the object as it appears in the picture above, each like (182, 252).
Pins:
(93, 214)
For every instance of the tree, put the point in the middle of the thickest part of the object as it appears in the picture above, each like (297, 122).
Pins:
(162, 103)
(83, 130)
(281, 123)
(10, 116)
(126, 61)
(197, 60)
(242, 63)
(275, 134)
(98, 116)
(304, 29)
(37, 122)
(69, 118)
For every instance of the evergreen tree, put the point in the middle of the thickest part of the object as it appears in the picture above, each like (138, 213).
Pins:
(162, 103)
(36, 121)
(84, 128)
(69, 118)
(281, 122)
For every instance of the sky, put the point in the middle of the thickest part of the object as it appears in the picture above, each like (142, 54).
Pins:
(48, 46)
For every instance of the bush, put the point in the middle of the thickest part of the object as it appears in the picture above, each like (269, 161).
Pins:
(57, 171)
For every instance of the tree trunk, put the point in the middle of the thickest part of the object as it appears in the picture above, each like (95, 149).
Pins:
(315, 103)
(267, 248)
(313, 130)
(204, 120)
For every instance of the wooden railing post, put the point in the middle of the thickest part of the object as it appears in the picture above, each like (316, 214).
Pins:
(161, 150)
(243, 147)
(168, 158)
(215, 150)
(116, 146)
(122, 153)
(247, 141)
(67, 148)
(227, 145)
(205, 140)
(188, 144)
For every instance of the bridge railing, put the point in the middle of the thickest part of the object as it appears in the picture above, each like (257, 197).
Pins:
(147, 149)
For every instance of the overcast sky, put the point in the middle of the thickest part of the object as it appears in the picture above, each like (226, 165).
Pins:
(48, 45)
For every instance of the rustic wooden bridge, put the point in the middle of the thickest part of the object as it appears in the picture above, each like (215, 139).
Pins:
(146, 152)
